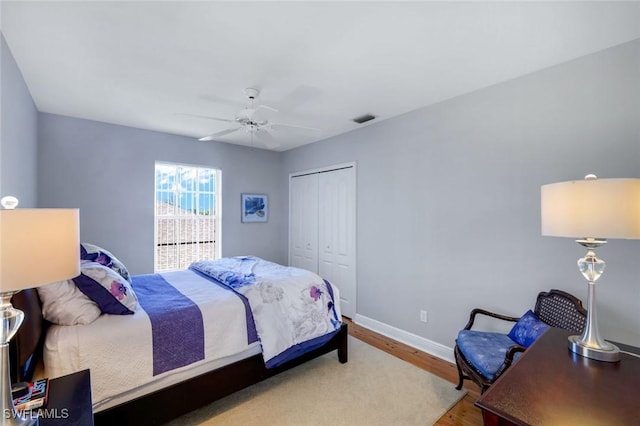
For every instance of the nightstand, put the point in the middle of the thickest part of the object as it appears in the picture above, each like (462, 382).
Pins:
(69, 401)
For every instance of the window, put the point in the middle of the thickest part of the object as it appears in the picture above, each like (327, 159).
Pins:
(187, 219)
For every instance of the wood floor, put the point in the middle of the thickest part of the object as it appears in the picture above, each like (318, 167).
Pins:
(464, 413)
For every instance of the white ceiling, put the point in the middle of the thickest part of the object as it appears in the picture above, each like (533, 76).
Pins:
(145, 64)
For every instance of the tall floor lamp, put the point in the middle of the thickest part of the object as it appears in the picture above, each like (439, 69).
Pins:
(37, 247)
(592, 210)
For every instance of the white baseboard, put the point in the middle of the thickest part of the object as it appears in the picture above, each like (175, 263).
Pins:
(420, 343)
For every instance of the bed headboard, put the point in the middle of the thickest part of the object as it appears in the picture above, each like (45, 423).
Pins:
(25, 349)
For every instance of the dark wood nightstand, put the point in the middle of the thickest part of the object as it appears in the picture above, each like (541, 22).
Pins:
(69, 401)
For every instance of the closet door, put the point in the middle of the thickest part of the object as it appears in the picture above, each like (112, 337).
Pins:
(336, 233)
(303, 234)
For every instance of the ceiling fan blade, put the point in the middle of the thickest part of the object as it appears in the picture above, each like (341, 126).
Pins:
(267, 107)
(267, 139)
(300, 95)
(226, 120)
(260, 113)
(218, 134)
(221, 100)
(282, 126)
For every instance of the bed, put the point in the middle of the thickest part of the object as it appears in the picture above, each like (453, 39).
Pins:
(220, 316)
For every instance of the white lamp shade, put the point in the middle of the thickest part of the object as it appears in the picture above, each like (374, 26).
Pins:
(37, 247)
(599, 208)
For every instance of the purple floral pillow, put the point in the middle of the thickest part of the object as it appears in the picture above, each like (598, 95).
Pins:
(528, 328)
(93, 253)
(110, 291)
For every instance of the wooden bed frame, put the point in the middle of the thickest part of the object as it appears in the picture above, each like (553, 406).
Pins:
(165, 404)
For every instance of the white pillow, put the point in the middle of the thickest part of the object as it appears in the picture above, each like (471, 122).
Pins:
(64, 304)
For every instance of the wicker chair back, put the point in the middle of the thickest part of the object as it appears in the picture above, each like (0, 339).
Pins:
(562, 310)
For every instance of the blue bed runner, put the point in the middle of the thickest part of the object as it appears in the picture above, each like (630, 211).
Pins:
(176, 323)
(252, 332)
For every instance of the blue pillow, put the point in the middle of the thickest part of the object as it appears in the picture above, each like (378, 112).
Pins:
(93, 253)
(111, 292)
(527, 329)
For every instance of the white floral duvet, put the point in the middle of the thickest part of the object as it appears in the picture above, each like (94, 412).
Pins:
(294, 309)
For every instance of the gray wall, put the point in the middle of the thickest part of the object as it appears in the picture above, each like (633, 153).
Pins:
(449, 197)
(108, 172)
(18, 132)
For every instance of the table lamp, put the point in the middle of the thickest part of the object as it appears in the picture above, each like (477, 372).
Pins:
(37, 247)
(592, 210)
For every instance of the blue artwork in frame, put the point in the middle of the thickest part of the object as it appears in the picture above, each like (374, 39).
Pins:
(255, 208)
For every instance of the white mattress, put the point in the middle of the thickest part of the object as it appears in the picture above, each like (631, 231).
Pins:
(171, 379)
(118, 348)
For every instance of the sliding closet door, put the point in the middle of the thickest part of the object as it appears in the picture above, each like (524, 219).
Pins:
(322, 232)
(303, 239)
(336, 234)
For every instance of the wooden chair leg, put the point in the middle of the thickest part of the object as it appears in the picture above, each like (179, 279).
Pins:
(460, 375)
(460, 379)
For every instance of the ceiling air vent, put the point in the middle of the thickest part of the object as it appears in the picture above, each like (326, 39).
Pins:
(364, 118)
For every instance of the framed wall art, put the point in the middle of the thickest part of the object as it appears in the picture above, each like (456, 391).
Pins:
(255, 208)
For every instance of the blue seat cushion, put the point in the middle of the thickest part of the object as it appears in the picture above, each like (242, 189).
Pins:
(484, 350)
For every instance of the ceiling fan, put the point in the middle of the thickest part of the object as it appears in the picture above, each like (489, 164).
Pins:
(249, 121)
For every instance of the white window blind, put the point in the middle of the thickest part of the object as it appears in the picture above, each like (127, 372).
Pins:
(187, 206)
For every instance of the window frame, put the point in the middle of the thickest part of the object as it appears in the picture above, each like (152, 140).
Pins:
(216, 211)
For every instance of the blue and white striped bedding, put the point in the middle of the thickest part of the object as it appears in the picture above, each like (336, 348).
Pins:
(184, 322)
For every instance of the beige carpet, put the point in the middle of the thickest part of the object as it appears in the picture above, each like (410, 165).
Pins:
(373, 388)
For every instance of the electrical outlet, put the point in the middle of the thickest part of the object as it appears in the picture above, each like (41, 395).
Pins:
(423, 316)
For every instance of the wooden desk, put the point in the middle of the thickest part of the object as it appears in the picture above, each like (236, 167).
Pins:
(550, 385)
